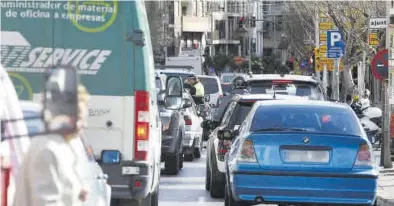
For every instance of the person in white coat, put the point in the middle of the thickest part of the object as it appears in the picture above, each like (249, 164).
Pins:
(49, 173)
(12, 149)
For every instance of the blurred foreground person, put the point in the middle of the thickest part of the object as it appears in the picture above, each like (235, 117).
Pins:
(12, 150)
(49, 175)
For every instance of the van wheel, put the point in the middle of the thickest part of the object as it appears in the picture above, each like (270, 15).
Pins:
(172, 164)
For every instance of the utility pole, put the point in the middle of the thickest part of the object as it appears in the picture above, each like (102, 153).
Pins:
(250, 37)
(385, 152)
(317, 38)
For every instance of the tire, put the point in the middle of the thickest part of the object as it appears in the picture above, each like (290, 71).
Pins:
(229, 200)
(155, 198)
(197, 151)
(189, 157)
(217, 187)
(172, 164)
(181, 160)
(125, 202)
(207, 178)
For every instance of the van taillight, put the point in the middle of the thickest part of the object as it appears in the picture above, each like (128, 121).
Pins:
(188, 120)
(141, 140)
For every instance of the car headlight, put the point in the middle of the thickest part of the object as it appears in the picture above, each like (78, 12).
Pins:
(110, 156)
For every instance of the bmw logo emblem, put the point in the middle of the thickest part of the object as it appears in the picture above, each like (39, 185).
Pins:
(306, 140)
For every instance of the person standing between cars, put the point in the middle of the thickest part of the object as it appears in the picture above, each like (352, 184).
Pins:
(49, 174)
(12, 150)
(238, 85)
(197, 89)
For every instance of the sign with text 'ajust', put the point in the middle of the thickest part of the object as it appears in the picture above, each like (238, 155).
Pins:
(377, 23)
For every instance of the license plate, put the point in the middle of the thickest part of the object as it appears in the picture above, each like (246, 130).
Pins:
(307, 156)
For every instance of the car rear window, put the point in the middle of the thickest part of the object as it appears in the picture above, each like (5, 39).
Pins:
(318, 119)
(239, 114)
(211, 85)
(227, 79)
(285, 87)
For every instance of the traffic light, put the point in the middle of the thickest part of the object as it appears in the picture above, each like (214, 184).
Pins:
(316, 59)
(241, 22)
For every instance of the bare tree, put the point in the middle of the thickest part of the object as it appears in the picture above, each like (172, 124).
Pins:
(351, 18)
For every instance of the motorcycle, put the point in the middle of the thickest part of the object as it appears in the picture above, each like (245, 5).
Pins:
(205, 111)
(370, 118)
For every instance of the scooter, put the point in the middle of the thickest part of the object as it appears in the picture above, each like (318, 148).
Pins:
(370, 118)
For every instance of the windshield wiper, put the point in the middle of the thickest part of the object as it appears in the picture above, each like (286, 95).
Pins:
(281, 129)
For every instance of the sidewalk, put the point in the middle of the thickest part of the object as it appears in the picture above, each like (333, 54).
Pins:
(386, 187)
(385, 184)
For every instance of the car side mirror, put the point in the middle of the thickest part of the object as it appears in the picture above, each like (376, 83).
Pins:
(60, 113)
(187, 103)
(174, 88)
(226, 134)
(207, 98)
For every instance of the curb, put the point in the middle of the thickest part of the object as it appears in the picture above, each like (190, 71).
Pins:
(384, 202)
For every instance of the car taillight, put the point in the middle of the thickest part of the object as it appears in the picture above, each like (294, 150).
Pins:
(246, 152)
(188, 120)
(223, 147)
(364, 156)
(141, 141)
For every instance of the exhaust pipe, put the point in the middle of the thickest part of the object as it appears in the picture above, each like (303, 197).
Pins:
(259, 199)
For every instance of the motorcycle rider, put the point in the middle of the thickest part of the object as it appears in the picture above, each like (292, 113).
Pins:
(197, 89)
(237, 87)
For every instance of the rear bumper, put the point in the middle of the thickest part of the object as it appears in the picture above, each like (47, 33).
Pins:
(304, 189)
(124, 186)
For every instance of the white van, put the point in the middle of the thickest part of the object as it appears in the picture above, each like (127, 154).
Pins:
(212, 87)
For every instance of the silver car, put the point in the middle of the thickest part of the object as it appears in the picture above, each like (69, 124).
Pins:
(100, 191)
(192, 141)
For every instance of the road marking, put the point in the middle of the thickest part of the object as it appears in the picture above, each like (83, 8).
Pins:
(180, 179)
(201, 199)
(183, 187)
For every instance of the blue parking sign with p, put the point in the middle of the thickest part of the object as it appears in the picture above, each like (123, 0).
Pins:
(335, 44)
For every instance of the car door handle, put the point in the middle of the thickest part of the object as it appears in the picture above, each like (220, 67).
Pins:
(102, 176)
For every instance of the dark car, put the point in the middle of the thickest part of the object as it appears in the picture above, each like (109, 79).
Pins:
(232, 118)
(173, 131)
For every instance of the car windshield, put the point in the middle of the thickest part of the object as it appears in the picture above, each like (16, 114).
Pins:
(226, 88)
(285, 87)
(239, 115)
(211, 85)
(34, 126)
(319, 119)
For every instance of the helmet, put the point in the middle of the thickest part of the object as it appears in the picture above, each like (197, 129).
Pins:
(238, 82)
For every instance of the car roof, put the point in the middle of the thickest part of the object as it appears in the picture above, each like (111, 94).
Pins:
(281, 77)
(303, 103)
(30, 106)
(267, 97)
(208, 77)
(163, 71)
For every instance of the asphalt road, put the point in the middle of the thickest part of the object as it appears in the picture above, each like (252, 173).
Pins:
(187, 188)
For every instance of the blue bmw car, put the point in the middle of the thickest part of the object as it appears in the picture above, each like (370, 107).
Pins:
(300, 152)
